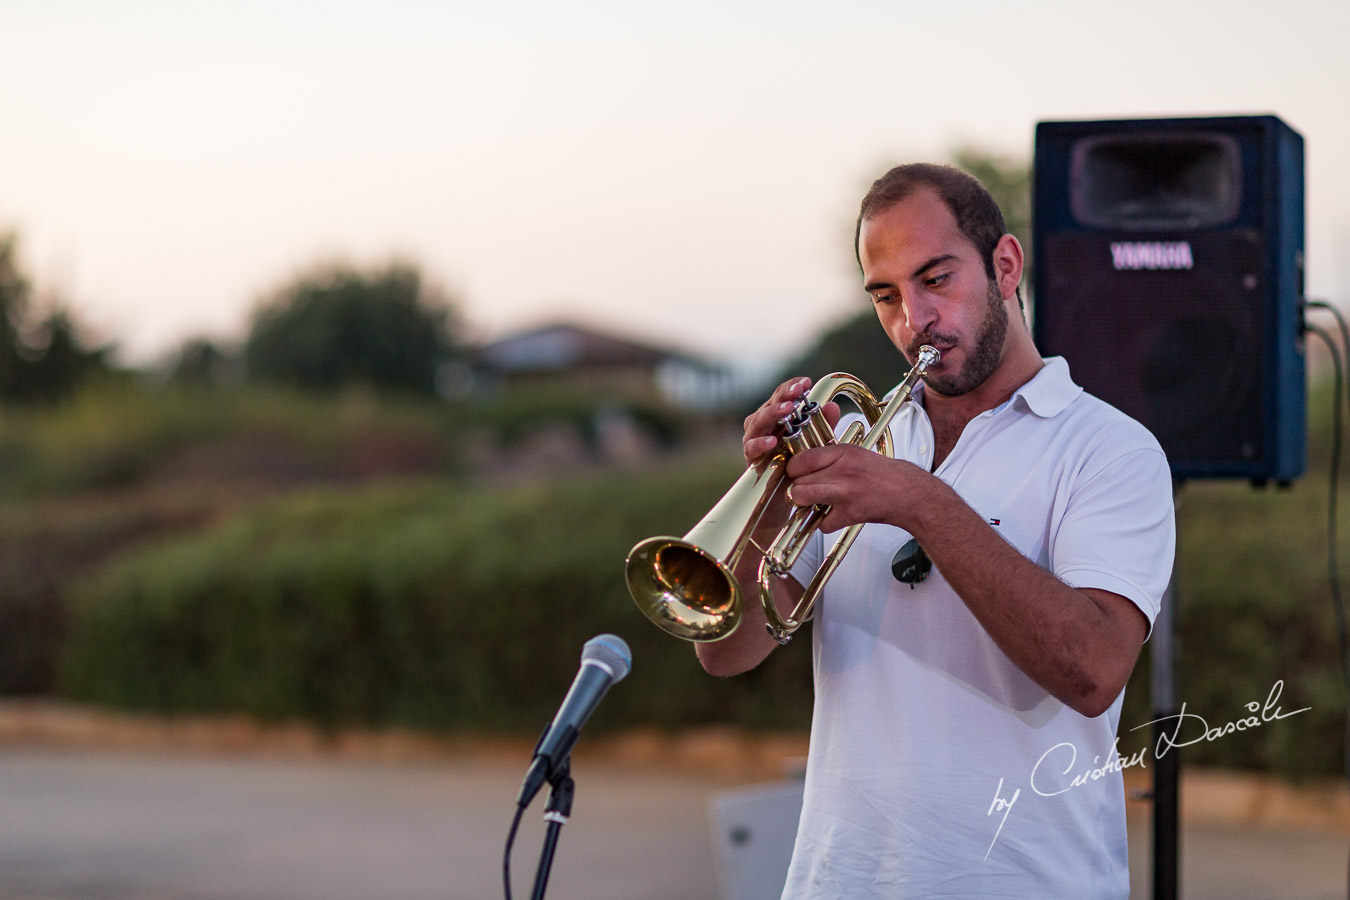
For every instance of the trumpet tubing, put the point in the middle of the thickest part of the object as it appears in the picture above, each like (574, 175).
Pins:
(687, 585)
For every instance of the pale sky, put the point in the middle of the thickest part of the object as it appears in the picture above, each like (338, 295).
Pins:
(681, 172)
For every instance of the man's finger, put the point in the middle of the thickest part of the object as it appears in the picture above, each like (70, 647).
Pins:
(813, 460)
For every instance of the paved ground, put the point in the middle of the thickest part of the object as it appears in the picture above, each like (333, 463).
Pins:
(153, 826)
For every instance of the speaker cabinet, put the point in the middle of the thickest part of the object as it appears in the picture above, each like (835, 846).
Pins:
(1167, 268)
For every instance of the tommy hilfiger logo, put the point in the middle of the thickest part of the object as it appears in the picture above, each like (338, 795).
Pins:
(994, 522)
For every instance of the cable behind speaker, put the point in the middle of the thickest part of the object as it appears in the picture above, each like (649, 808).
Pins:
(1340, 358)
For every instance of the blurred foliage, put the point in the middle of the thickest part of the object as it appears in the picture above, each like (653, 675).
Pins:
(117, 434)
(426, 604)
(1255, 609)
(42, 354)
(44, 549)
(337, 326)
(87, 478)
(203, 361)
(121, 463)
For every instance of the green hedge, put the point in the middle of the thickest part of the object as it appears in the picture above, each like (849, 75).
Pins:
(430, 604)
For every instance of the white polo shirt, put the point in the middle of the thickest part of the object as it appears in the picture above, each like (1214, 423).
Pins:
(937, 768)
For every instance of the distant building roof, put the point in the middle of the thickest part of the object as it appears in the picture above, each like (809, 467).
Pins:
(569, 347)
(571, 351)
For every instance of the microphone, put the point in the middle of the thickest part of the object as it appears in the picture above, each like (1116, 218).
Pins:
(605, 659)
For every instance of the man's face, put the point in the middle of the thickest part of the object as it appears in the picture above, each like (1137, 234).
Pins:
(929, 286)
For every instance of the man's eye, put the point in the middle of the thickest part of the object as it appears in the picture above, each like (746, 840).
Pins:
(884, 298)
(935, 280)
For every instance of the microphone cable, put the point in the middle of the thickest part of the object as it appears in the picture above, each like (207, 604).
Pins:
(511, 839)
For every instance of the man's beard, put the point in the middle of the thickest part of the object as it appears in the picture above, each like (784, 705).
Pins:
(982, 355)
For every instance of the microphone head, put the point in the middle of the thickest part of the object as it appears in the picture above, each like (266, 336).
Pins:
(610, 651)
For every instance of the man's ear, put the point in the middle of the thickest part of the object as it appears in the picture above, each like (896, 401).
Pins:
(1008, 263)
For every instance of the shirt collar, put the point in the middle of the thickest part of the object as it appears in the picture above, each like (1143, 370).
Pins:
(1049, 392)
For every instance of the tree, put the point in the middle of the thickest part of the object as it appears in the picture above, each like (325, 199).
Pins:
(14, 298)
(336, 326)
(44, 358)
(201, 360)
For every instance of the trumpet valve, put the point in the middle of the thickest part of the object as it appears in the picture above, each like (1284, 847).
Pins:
(806, 427)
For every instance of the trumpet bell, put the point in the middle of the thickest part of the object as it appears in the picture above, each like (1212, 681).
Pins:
(684, 589)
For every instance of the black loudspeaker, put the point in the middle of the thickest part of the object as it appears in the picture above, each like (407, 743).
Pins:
(1168, 271)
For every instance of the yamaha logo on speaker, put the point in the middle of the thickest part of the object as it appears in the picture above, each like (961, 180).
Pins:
(1137, 255)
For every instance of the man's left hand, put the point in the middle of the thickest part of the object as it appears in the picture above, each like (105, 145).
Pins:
(858, 485)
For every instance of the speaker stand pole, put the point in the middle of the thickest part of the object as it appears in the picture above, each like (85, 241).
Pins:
(1167, 764)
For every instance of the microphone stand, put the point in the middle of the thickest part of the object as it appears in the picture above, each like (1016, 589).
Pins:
(561, 790)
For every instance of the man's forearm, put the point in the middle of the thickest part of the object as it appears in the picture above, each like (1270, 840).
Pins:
(750, 644)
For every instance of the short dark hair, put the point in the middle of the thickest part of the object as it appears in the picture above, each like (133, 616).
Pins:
(977, 215)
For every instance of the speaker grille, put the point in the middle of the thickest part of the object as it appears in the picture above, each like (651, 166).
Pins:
(1179, 349)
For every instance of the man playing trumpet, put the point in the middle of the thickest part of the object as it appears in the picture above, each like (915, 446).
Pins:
(947, 704)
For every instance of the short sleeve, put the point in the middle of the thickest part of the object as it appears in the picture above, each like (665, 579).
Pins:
(1118, 532)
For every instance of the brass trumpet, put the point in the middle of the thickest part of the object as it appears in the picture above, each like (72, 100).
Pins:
(687, 586)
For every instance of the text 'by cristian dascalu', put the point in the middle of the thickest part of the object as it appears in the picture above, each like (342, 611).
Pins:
(1058, 771)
